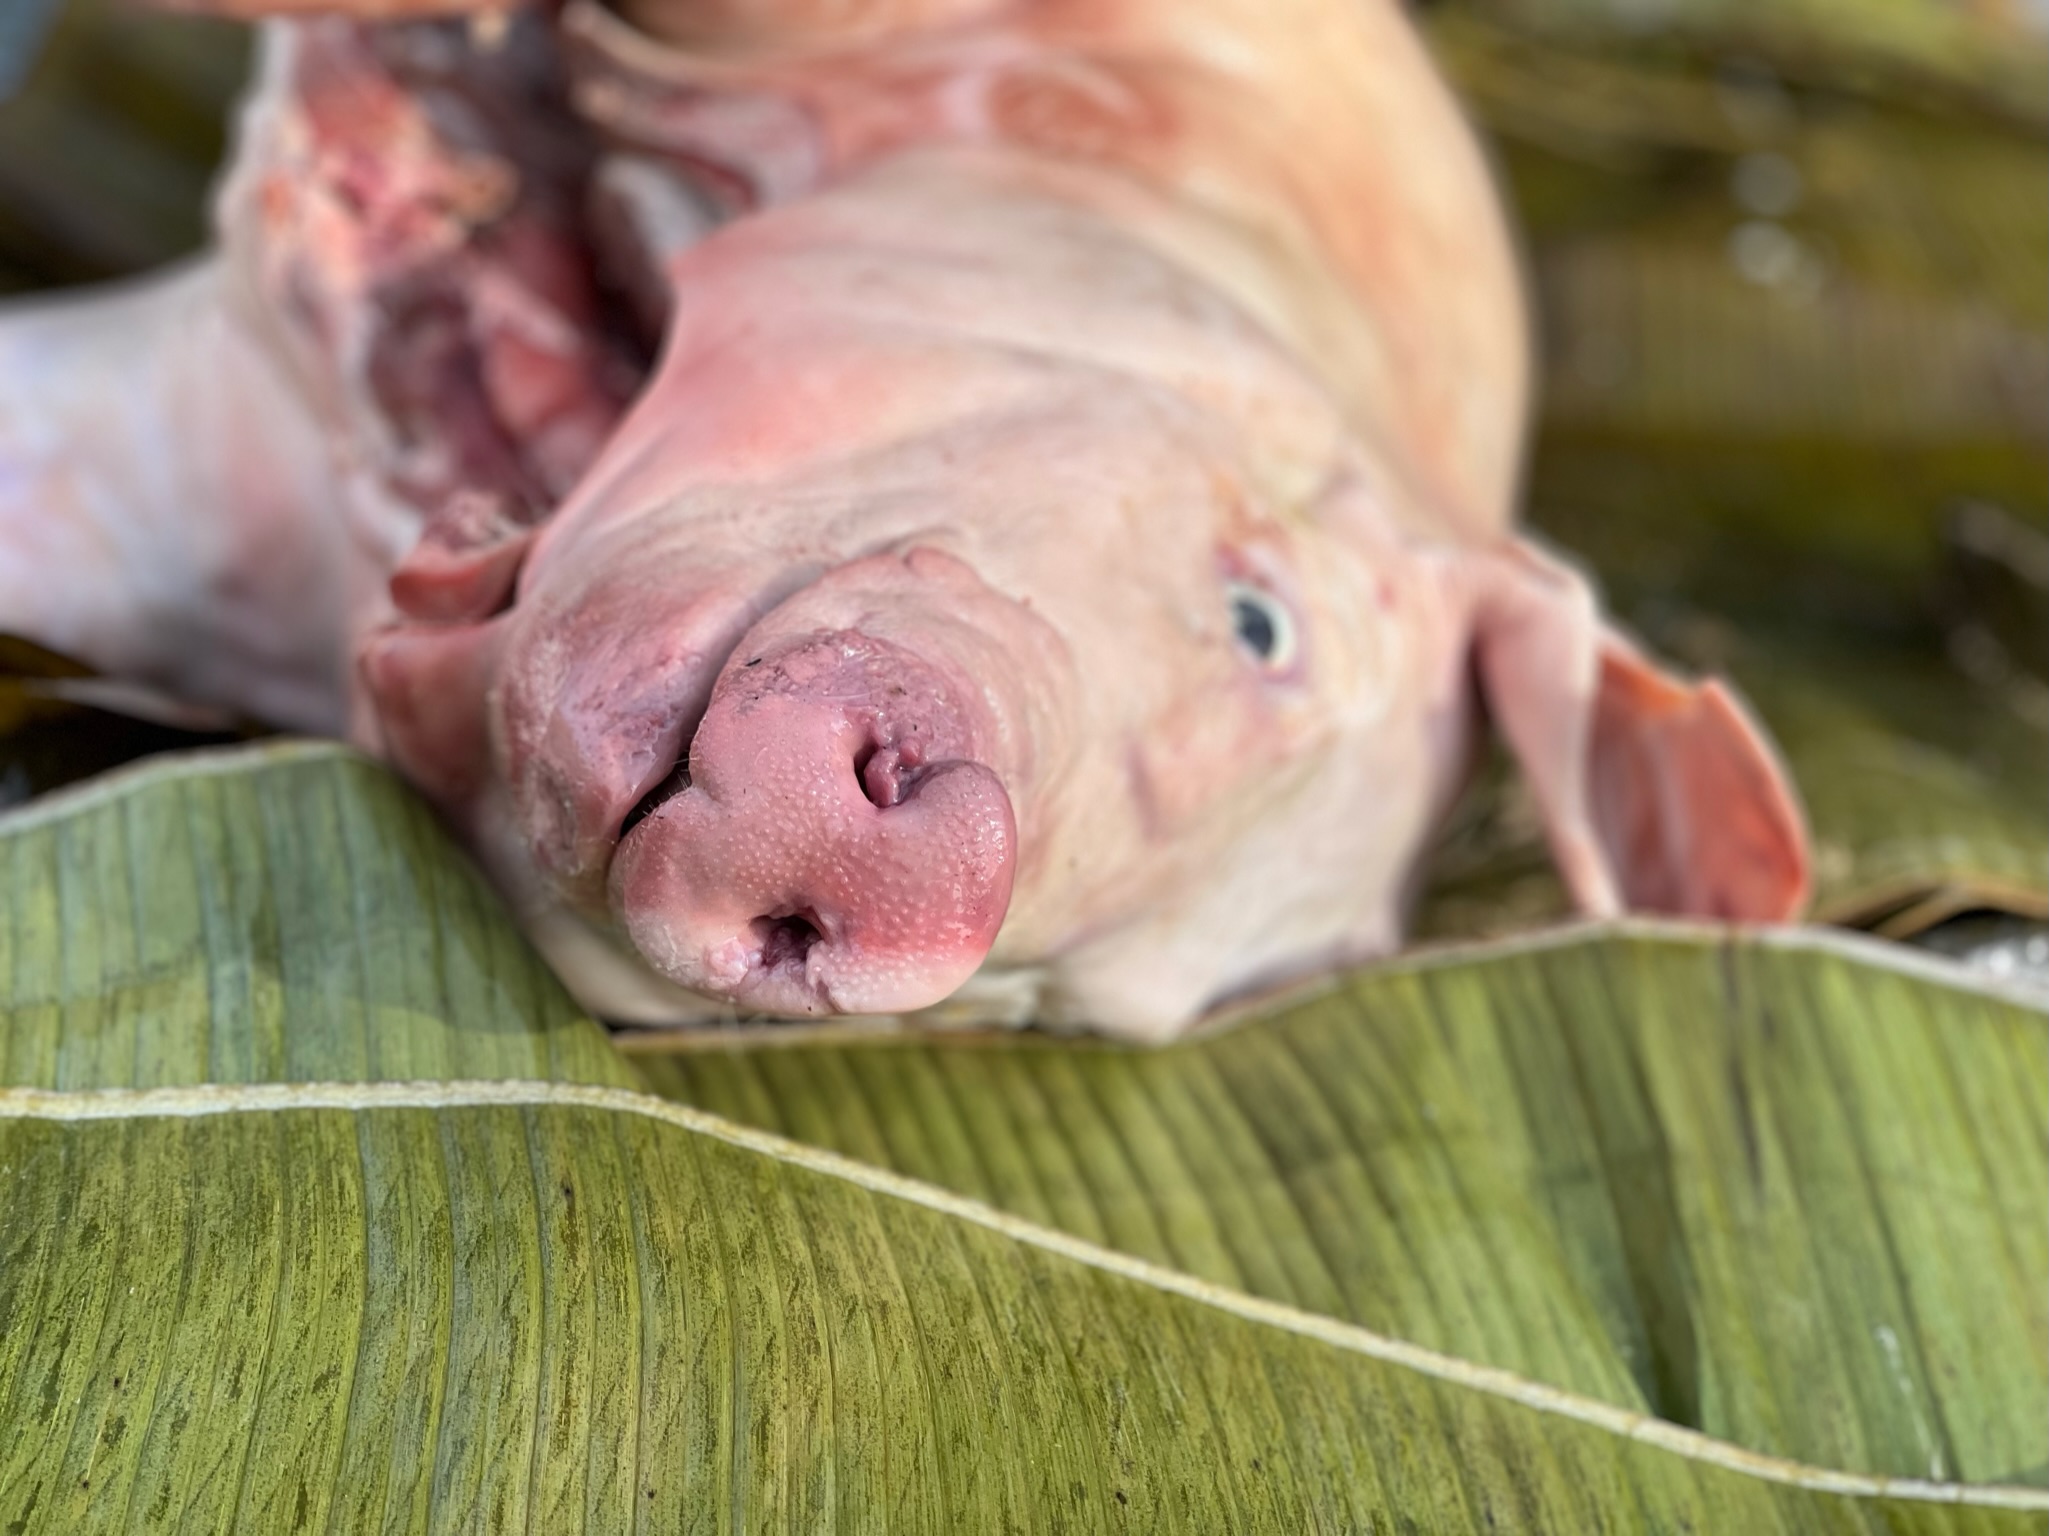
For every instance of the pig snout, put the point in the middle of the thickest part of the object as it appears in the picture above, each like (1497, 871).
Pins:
(831, 844)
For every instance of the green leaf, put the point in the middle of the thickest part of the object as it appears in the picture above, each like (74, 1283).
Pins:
(325, 1209)
(1981, 58)
(107, 151)
(1768, 463)
(60, 722)
(1773, 1190)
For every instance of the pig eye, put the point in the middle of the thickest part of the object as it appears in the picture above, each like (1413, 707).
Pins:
(1265, 627)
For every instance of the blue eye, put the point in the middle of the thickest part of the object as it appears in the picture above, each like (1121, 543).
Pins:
(1264, 627)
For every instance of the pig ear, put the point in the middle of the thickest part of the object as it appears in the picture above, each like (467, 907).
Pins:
(1657, 795)
(465, 563)
(429, 686)
(428, 676)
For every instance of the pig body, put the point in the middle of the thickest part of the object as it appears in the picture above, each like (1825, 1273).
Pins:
(1050, 567)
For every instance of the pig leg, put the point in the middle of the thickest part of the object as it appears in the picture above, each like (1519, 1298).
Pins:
(165, 500)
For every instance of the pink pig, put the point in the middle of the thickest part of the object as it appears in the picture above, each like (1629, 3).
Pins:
(1052, 567)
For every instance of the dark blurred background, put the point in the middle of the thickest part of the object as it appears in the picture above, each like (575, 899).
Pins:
(1791, 262)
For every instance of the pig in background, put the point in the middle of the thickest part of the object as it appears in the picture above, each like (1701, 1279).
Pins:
(861, 514)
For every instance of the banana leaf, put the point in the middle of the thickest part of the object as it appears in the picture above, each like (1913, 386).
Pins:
(60, 722)
(326, 1209)
(109, 140)
(1986, 56)
(1923, 785)
(22, 27)
(1796, 340)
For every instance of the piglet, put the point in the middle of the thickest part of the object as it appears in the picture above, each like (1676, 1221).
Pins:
(1003, 510)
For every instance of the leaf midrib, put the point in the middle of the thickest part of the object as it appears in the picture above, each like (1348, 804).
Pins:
(205, 1100)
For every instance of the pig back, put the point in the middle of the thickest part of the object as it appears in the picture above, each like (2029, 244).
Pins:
(1303, 156)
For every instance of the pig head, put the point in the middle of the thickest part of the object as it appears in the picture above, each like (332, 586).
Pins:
(1058, 560)
(980, 601)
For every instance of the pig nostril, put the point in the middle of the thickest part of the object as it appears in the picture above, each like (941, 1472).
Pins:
(677, 781)
(786, 940)
(875, 785)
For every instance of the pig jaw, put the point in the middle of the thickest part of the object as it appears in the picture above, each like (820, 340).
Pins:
(838, 847)
(1317, 877)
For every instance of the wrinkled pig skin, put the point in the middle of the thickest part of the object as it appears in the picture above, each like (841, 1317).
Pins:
(994, 509)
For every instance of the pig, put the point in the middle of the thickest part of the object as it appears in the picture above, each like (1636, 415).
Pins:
(984, 512)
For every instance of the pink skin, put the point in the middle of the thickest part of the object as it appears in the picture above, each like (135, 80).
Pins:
(1125, 729)
(1049, 572)
(839, 845)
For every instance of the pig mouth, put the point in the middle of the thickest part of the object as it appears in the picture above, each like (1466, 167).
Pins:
(672, 784)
